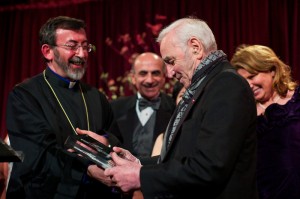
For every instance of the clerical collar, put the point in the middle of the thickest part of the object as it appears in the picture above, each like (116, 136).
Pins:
(70, 83)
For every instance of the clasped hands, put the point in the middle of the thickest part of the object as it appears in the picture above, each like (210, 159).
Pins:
(126, 172)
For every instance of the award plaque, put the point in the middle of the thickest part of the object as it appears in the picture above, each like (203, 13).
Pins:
(91, 149)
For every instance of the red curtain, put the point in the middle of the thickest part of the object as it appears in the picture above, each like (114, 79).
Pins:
(267, 22)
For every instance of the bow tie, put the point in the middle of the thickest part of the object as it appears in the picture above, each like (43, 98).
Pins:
(143, 103)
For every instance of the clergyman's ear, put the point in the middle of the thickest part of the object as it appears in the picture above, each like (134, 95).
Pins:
(47, 52)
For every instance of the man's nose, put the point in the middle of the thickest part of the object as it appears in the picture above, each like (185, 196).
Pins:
(81, 52)
(170, 71)
(149, 77)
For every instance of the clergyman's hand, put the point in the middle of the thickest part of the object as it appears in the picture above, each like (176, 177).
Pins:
(98, 173)
(97, 137)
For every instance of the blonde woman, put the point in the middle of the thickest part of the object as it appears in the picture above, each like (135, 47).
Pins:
(278, 108)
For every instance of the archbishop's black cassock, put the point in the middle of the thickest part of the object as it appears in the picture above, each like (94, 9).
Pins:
(37, 126)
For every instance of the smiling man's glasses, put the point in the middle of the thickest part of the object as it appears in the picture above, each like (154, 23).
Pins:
(74, 47)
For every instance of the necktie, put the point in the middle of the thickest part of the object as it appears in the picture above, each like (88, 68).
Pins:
(143, 103)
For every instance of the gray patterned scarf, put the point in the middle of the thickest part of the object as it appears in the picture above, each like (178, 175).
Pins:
(204, 68)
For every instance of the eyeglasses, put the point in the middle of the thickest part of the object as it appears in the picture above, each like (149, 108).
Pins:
(74, 47)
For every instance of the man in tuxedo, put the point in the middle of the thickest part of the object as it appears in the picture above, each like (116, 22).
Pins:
(140, 118)
(209, 147)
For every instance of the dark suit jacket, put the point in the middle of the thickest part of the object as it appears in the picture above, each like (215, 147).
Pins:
(213, 151)
(125, 115)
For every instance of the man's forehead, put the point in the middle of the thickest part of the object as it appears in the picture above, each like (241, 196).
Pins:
(148, 70)
(71, 35)
(149, 65)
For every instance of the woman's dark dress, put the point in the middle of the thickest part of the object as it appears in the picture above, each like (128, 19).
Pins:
(279, 150)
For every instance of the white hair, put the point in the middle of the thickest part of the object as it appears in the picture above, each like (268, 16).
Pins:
(186, 28)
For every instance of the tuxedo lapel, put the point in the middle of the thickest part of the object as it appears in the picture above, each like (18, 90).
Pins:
(126, 121)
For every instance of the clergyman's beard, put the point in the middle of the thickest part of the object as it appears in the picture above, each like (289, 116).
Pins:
(74, 74)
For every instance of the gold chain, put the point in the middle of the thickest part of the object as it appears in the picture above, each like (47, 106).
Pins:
(62, 108)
